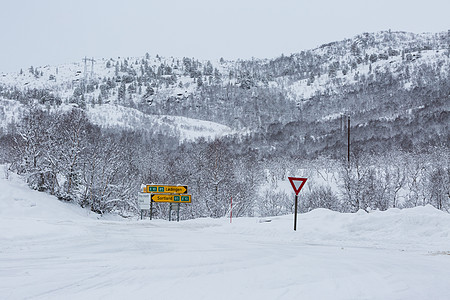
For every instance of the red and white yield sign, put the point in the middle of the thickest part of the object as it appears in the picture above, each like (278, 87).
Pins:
(297, 183)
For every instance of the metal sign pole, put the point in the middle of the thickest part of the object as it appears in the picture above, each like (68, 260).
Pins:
(170, 212)
(297, 184)
(178, 212)
(151, 209)
(295, 214)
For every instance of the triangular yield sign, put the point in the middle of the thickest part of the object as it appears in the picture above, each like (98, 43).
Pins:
(297, 183)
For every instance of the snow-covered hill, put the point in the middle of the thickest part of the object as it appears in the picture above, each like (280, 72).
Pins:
(55, 250)
(185, 128)
(116, 116)
(324, 69)
(246, 93)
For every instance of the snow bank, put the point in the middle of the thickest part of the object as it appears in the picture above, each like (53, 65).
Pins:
(420, 228)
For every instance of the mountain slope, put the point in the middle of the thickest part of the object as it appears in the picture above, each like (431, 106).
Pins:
(225, 91)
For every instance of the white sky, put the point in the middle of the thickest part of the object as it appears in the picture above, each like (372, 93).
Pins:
(41, 32)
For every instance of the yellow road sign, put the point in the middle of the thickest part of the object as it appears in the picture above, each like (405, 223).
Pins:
(166, 189)
(171, 198)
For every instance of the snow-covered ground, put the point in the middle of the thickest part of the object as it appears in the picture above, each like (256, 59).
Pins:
(54, 250)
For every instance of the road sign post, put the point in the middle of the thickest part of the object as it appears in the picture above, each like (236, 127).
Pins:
(173, 194)
(171, 198)
(166, 189)
(151, 210)
(297, 184)
(143, 202)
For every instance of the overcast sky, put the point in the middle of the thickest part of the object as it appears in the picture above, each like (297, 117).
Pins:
(41, 32)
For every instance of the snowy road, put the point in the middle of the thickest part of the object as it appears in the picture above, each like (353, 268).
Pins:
(51, 250)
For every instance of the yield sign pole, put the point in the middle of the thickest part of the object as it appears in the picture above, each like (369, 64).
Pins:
(297, 184)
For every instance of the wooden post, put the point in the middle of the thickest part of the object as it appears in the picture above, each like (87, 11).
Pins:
(348, 141)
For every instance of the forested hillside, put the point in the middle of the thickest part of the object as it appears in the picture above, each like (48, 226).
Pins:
(277, 117)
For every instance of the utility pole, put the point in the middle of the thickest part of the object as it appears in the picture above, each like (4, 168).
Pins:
(85, 68)
(92, 60)
(345, 122)
(348, 141)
